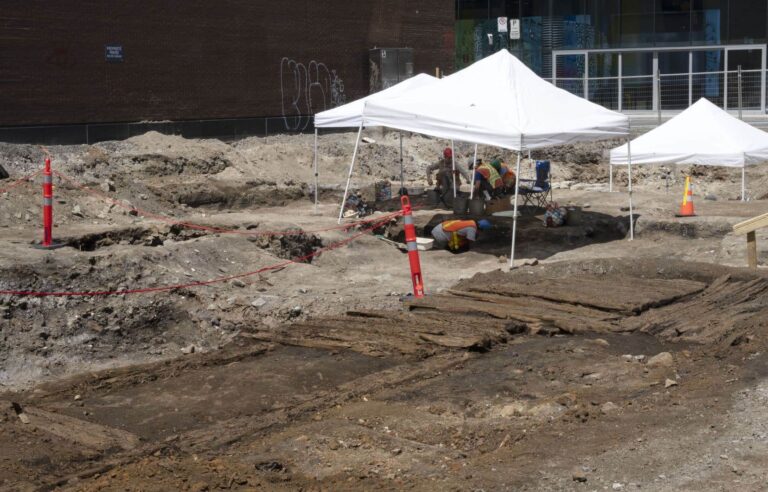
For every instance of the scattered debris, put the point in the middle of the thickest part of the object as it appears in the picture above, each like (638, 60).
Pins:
(579, 475)
(107, 186)
(663, 359)
(609, 407)
(668, 383)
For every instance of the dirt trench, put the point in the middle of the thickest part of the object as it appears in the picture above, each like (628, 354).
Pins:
(439, 394)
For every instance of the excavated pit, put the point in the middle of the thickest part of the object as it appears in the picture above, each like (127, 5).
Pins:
(295, 245)
(500, 355)
(720, 306)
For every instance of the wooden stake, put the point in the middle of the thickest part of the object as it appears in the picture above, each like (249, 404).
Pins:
(752, 250)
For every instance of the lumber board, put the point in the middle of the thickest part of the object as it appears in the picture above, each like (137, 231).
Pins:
(752, 250)
(751, 225)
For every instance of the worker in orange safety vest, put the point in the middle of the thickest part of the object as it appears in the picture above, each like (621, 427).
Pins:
(458, 235)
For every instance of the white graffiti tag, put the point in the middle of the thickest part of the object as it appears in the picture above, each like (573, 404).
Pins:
(306, 90)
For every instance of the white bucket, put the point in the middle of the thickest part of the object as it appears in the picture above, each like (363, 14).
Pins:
(424, 243)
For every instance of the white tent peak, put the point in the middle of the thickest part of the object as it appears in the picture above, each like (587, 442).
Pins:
(703, 134)
(350, 115)
(497, 101)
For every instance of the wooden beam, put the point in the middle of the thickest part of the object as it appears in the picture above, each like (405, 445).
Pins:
(751, 225)
(752, 250)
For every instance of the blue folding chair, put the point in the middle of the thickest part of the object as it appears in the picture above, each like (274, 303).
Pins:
(537, 192)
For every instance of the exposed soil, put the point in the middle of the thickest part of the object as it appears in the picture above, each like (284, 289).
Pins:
(607, 364)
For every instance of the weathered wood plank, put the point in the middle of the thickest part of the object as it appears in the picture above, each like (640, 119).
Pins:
(752, 250)
(751, 225)
(634, 296)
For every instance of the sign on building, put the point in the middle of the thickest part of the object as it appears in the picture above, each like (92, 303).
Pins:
(113, 52)
(502, 23)
(514, 28)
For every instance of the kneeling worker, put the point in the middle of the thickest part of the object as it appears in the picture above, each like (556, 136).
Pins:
(496, 179)
(457, 235)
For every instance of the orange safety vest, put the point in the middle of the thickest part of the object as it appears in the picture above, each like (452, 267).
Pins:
(508, 177)
(490, 174)
(454, 226)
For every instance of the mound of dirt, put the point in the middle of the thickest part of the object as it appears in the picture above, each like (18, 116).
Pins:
(156, 154)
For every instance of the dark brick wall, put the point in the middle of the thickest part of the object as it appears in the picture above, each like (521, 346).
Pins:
(202, 59)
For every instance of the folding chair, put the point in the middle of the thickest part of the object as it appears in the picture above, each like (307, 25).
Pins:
(537, 192)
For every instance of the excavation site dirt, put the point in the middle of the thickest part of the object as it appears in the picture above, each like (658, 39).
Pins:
(203, 325)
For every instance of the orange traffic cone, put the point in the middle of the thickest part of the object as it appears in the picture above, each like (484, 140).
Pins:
(686, 209)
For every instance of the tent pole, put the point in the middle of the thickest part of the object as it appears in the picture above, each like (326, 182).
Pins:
(514, 218)
(629, 173)
(349, 176)
(472, 184)
(453, 168)
(744, 183)
(610, 178)
(315, 165)
(402, 172)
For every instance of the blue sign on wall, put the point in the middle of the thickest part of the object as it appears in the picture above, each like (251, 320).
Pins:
(113, 52)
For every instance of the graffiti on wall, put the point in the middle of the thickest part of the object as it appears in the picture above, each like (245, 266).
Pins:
(306, 90)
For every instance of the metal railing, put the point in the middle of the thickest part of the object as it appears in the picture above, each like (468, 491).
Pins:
(632, 79)
(733, 90)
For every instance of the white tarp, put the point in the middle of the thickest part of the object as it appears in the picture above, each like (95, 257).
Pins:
(497, 101)
(350, 114)
(702, 134)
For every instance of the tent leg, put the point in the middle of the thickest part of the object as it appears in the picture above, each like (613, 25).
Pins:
(472, 184)
(453, 168)
(610, 178)
(514, 219)
(743, 183)
(315, 166)
(402, 172)
(349, 176)
(629, 173)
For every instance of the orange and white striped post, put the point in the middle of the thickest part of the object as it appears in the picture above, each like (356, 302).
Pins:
(413, 249)
(47, 205)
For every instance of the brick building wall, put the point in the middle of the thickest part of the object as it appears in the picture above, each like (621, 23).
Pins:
(203, 59)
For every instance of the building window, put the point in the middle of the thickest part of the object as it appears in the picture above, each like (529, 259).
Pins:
(673, 22)
(606, 23)
(709, 22)
(748, 20)
(472, 9)
(637, 21)
(536, 39)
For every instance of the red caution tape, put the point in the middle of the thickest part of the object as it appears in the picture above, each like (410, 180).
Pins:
(26, 179)
(201, 283)
(218, 230)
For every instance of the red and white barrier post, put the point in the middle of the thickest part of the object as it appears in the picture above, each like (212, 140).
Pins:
(47, 205)
(413, 250)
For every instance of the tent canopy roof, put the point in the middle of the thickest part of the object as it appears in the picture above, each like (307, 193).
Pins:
(497, 101)
(702, 134)
(350, 115)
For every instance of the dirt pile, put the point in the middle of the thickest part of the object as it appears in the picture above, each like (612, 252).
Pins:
(51, 335)
(156, 154)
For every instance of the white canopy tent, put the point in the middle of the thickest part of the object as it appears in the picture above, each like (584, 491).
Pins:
(350, 115)
(498, 101)
(703, 134)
